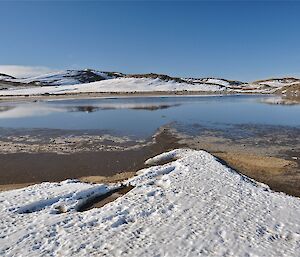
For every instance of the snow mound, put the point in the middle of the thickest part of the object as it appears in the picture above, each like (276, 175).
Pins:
(188, 207)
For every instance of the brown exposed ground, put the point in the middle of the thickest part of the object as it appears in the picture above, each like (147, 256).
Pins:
(14, 186)
(280, 174)
(119, 177)
(290, 94)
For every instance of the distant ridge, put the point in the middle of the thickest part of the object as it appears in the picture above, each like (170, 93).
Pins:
(91, 80)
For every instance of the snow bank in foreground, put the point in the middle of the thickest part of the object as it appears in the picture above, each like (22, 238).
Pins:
(188, 207)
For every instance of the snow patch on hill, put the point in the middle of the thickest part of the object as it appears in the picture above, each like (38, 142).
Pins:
(278, 83)
(69, 77)
(189, 207)
(116, 85)
(59, 78)
(5, 77)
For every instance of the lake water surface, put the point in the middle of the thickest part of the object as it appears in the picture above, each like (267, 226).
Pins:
(142, 116)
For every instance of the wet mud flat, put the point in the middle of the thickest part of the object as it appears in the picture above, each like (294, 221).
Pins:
(89, 163)
(268, 154)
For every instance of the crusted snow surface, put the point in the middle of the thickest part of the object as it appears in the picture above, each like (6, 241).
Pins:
(194, 206)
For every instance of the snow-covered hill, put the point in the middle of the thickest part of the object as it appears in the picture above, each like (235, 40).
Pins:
(69, 77)
(115, 86)
(91, 81)
(6, 77)
(60, 78)
(215, 81)
(193, 206)
(277, 82)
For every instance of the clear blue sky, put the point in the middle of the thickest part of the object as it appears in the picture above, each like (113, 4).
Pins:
(235, 39)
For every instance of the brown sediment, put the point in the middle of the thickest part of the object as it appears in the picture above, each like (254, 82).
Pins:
(109, 166)
(279, 174)
(258, 164)
(119, 177)
(14, 186)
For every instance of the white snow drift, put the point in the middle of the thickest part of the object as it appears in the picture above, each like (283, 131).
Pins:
(193, 206)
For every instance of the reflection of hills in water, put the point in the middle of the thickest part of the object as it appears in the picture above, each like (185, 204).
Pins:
(89, 109)
(143, 115)
(5, 108)
(39, 109)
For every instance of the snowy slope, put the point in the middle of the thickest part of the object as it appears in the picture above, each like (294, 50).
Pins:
(91, 81)
(69, 77)
(278, 83)
(116, 85)
(193, 206)
(60, 78)
(215, 81)
(5, 77)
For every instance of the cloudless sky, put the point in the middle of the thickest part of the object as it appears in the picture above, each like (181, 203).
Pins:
(231, 39)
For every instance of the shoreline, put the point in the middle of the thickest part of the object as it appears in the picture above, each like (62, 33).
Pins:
(92, 95)
(101, 165)
(278, 99)
(231, 160)
(262, 162)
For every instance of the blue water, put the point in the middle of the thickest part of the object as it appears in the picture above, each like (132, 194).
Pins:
(215, 111)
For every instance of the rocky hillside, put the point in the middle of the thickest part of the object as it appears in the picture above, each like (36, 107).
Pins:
(290, 92)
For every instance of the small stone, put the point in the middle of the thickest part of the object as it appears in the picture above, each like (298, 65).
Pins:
(61, 208)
